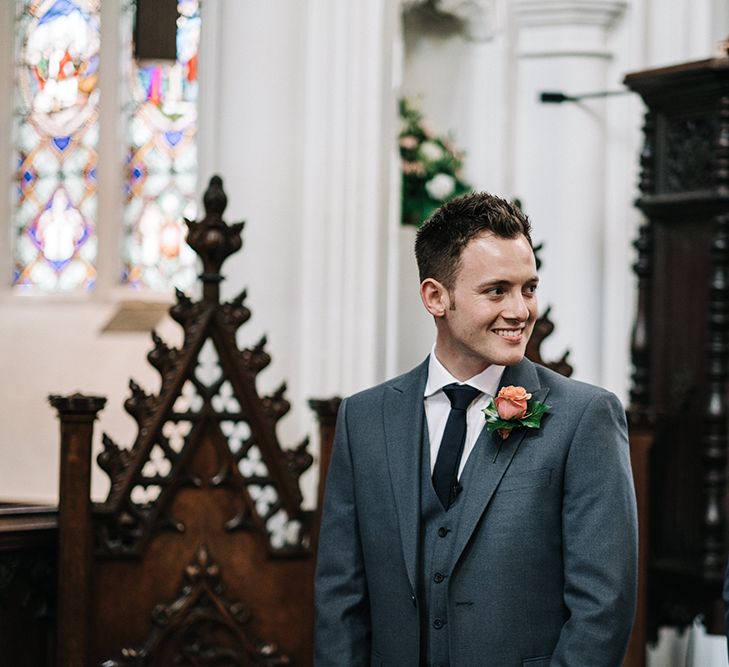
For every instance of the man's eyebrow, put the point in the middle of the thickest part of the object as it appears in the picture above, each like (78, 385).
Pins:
(502, 282)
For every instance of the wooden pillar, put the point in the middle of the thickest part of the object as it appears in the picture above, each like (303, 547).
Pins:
(641, 422)
(77, 414)
(641, 442)
(326, 413)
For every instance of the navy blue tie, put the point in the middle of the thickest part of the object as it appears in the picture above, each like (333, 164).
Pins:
(445, 472)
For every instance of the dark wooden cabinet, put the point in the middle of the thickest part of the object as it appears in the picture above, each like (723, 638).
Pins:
(678, 412)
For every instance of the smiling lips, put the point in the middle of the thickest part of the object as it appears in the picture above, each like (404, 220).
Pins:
(510, 334)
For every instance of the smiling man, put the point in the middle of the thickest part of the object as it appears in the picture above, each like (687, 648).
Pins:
(479, 509)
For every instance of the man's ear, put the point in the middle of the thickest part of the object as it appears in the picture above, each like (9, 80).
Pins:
(435, 297)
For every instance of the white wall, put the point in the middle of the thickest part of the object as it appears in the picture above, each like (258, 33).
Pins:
(256, 147)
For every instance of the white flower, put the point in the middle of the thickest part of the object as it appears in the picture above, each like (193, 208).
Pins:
(440, 186)
(431, 151)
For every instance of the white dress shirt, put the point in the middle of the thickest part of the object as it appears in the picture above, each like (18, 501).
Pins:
(438, 407)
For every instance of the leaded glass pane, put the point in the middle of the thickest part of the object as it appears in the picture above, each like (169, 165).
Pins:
(56, 110)
(162, 160)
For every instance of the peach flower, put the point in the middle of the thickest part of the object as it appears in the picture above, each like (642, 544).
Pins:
(409, 142)
(511, 402)
(415, 168)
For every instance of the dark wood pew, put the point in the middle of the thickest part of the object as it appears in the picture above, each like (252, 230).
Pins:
(28, 581)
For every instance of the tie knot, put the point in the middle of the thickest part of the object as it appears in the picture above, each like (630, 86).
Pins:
(460, 395)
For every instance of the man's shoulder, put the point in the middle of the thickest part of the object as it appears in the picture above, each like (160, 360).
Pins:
(561, 387)
(412, 380)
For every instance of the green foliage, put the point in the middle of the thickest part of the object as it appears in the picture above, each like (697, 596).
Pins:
(532, 419)
(430, 168)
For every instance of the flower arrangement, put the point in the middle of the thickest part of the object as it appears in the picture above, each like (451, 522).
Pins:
(430, 168)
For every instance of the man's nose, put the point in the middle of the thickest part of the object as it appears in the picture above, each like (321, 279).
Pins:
(516, 308)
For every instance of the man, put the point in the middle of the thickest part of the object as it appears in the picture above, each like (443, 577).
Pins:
(491, 548)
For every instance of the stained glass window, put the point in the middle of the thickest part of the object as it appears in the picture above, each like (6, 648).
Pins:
(56, 134)
(162, 161)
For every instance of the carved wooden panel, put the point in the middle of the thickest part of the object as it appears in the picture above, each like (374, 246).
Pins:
(202, 552)
(678, 412)
(689, 146)
(201, 627)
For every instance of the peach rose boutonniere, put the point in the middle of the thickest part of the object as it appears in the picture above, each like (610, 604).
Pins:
(511, 409)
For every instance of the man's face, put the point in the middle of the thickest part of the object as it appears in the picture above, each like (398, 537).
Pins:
(490, 311)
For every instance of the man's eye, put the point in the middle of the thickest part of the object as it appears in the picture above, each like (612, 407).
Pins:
(530, 289)
(495, 291)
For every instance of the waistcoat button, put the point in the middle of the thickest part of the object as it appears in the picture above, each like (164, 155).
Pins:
(442, 531)
(438, 577)
(438, 624)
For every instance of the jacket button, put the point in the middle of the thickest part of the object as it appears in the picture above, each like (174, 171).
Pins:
(442, 531)
(438, 624)
(438, 577)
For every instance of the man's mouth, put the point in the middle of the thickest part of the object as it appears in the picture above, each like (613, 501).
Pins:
(509, 333)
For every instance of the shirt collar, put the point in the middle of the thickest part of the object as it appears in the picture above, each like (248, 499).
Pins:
(486, 381)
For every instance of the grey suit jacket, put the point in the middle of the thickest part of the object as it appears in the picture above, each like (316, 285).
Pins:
(544, 569)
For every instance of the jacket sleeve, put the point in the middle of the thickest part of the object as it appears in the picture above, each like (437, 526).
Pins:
(342, 614)
(600, 541)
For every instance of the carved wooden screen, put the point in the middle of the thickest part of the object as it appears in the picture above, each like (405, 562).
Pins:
(201, 554)
(679, 411)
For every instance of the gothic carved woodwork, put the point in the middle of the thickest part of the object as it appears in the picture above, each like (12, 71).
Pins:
(689, 144)
(680, 343)
(206, 480)
(201, 627)
(543, 327)
(640, 377)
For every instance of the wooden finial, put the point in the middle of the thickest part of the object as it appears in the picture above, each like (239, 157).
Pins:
(212, 239)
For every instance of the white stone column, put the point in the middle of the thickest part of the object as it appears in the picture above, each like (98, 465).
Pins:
(347, 214)
(559, 163)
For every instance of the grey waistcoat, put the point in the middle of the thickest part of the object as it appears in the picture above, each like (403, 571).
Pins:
(437, 533)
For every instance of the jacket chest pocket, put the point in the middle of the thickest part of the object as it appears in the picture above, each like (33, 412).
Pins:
(542, 661)
(532, 479)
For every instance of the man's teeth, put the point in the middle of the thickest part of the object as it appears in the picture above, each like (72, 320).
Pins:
(509, 333)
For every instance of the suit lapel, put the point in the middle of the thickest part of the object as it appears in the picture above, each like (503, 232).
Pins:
(404, 419)
(493, 457)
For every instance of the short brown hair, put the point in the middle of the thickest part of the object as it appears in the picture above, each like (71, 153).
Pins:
(441, 239)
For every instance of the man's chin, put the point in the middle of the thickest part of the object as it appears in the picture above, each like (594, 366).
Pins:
(511, 359)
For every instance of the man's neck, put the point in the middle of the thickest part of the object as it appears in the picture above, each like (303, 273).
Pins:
(459, 368)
